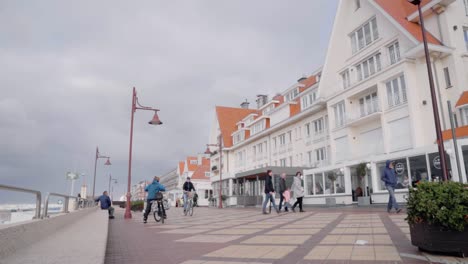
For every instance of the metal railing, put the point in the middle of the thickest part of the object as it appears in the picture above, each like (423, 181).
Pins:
(65, 203)
(37, 193)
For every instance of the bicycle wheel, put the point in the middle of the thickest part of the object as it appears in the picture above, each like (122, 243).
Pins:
(191, 209)
(157, 217)
(162, 217)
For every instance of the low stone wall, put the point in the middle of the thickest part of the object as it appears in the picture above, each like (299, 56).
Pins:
(14, 237)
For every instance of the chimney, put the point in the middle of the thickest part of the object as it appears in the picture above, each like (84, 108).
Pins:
(262, 99)
(245, 104)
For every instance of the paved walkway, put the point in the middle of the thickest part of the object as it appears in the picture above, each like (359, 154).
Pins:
(235, 236)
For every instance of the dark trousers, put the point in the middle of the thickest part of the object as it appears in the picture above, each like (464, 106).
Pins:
(298, 202)
(281, 203)
(148, 208)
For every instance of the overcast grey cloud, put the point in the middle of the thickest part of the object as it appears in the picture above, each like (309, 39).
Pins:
(67, 69)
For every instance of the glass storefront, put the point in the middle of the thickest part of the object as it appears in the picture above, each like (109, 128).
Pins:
(326, 183)
(410, 170)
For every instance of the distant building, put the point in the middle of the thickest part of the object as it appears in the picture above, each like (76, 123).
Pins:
(138, 191)
(198, 169)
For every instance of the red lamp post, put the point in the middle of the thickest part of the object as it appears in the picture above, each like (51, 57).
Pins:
(98, 156)
(440, 141)
(208, 151)
(155, 121)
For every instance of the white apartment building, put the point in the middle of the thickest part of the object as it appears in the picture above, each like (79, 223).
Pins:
(371, 102)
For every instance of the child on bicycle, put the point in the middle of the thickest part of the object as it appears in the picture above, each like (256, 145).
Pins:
(152, 190)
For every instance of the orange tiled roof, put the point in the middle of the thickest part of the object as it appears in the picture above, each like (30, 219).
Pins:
(227, 118)
(399, 10)
(463, 99)
(311, 80)
(190, 166)
(181, 167)
(199, 174)
(460, 132)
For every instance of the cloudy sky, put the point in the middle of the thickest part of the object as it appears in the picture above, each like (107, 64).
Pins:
(67, 69)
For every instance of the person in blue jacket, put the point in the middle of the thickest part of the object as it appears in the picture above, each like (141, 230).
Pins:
(106, 204)
(152, 190)
(390, 180)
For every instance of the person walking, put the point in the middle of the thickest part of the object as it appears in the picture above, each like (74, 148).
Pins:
(298, 191)
(152, 189)
(269, 192)
(282, 189)
(106, 204)
(390, 180)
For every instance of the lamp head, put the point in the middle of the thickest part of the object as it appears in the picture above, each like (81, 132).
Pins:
(155, 120)
(368, 166)
(207, 151)
(108, 163)
(414, 2)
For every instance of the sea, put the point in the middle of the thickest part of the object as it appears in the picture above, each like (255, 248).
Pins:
(15, 213)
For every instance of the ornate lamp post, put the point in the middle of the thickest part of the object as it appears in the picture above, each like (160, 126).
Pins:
(208, 151)
(155, 121)
(435, 108)
(99, 156)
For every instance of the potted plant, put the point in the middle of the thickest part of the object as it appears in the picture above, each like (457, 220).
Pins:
(224, 198)
(361, 171)
(137, 205)
(438, 217)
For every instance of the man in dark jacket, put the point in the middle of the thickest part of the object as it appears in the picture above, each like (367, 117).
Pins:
(152, 190)
(390, 180)
(282, 188)
(188, 187)
(269, 192)
(106, 204)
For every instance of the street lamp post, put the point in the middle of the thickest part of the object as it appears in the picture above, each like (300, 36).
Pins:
(98, 156)
(435, 108)
(111, 179)
(155, 121)
(220, 146)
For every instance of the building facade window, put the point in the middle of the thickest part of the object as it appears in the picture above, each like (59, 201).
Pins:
(357, 3)
(394, 52)
(321, 155)
(309, 99)
(283, 162)
(291, 95)
(464, 115)
(307, 129)
(267, 110)
(364, 35)
(238, 137)
(282, 139)
(194, 162)
(258, 127)
(340, 114)
(368, 67)
(396, 91)
(448, 82)
(466, 6)
(369, 104)
(319, 126)
(345, 78)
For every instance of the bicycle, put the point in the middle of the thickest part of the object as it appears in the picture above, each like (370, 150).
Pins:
(189, 207)
(156, 206)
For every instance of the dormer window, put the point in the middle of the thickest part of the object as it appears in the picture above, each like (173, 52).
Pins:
(291, 95)
(267, 110)
(238, 137)
(364, 35)
(194, 162)
(308, 99)
(258, 127)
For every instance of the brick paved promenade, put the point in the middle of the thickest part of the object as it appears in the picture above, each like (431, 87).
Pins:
(234, 236)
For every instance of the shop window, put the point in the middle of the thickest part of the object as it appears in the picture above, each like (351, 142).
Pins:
(418, 167)
(319, 186)
(330, 178)
(310, 184)
(401, 171)
(436, 167)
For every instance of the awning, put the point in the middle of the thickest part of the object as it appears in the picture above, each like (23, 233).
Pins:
(463, 100)
(261, 172)
(460, 132)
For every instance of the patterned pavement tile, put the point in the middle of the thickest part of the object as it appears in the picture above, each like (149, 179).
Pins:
(209, 239)
(282, 240)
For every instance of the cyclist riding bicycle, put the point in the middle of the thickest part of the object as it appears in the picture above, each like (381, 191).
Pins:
(188, 187)
(152, 190)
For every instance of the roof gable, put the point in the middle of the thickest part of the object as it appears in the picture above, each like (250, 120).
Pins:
(399, 10)
(463, 99)
(228, 117)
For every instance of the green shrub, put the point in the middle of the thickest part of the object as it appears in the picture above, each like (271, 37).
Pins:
(442, 204)
(137, 205)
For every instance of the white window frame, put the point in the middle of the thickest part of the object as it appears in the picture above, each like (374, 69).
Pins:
(369, 32)
(448, 81)
(464, 115)
(282, 139)
(466, 7)
(193, 162)
(340, 114)
(369, 67)
(396, 91)
(346, 79)
(369, 104)
(282, 162)
(394, 52)
(321, 154)
(307, 130)
(319, 126)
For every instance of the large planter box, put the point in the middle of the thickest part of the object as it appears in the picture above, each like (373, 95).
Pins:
(364, 201)
(438, 240)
